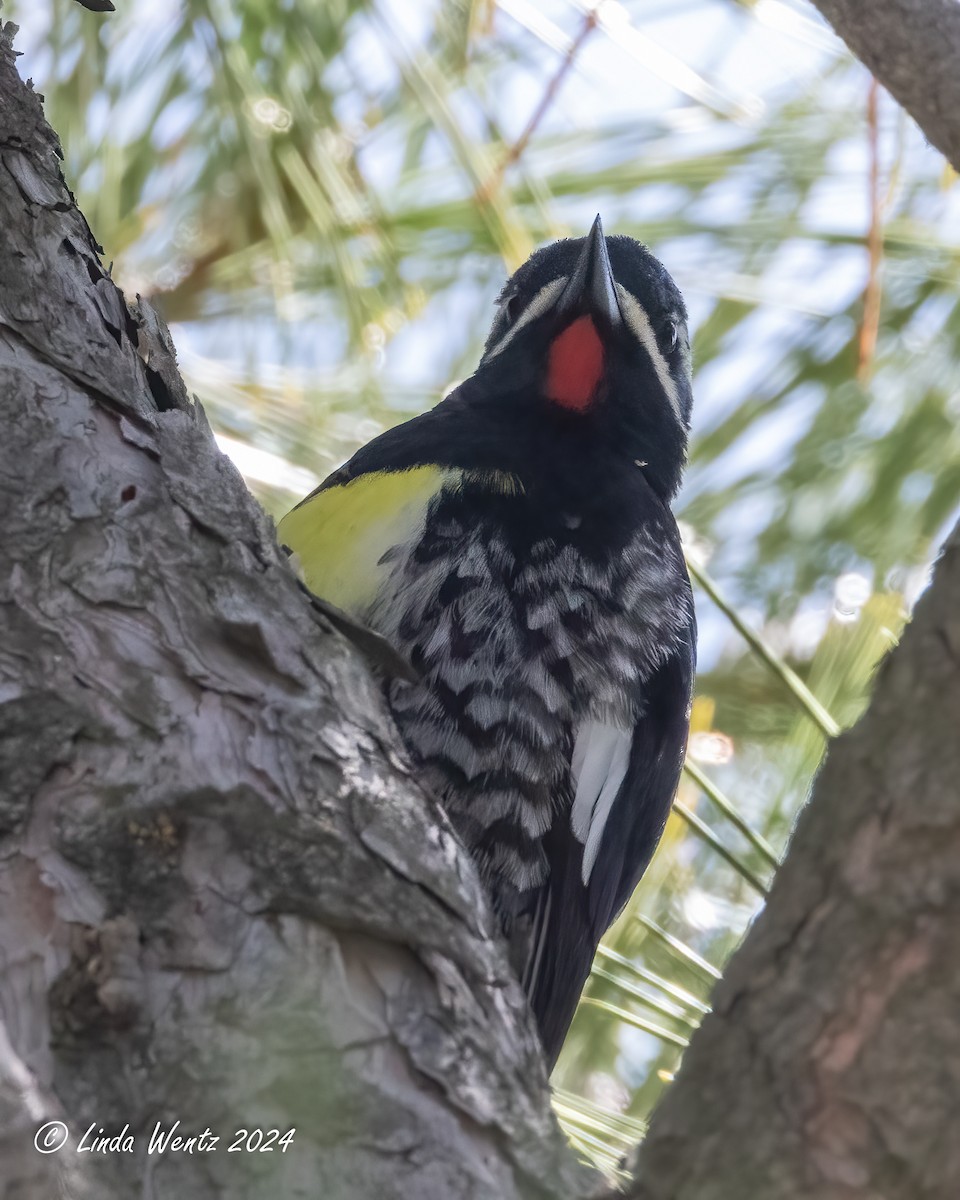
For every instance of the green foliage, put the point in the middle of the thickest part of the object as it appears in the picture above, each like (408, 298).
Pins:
(322, 198)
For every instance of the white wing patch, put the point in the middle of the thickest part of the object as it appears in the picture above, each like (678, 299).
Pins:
(601, 755)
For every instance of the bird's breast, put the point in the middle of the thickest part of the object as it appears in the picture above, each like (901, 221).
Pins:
(518, 636)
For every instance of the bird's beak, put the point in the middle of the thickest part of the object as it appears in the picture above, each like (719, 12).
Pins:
(591, 288)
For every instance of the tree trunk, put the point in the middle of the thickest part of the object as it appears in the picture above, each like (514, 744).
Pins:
(912, 47)
(225, 901)
(830, 1066)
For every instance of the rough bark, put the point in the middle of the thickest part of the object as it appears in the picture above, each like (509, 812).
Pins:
(913, 48)
(830, 1066)
(224, 899)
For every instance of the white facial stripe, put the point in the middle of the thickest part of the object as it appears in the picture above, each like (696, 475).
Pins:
(536, 308)
(636, 317)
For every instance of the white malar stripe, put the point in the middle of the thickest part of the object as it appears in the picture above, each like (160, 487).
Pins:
(636, 317)
(601, 755)
(536, 308)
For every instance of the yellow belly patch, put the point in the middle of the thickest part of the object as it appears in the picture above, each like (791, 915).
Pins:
(340, 534)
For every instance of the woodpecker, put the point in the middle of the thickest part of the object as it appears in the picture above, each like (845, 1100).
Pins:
(516, 544)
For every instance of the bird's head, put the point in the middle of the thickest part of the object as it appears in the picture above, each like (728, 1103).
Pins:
(593, 331)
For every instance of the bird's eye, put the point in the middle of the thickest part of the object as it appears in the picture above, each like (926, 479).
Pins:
(513, 307)
(671, 336)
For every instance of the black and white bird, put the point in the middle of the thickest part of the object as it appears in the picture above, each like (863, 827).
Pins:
(516, 544)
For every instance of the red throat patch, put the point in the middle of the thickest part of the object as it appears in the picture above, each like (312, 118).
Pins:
(575, 365)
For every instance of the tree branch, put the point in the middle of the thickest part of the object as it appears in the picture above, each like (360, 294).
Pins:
(830, 1066)
(912, 47)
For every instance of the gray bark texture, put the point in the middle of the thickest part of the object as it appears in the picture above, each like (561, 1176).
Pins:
(913, 48)
(829, 1068)
(223, 898)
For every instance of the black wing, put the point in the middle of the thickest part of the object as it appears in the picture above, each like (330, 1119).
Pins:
(569, 918)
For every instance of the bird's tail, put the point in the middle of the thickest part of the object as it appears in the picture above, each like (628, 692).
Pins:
(559, 951)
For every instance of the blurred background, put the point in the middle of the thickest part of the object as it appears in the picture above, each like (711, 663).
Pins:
(324, 196)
